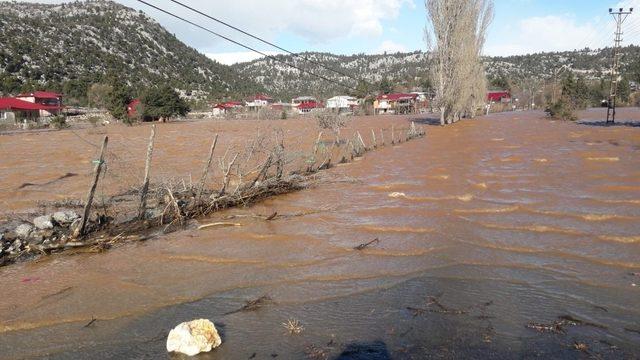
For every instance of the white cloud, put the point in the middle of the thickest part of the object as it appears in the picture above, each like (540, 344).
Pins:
(390, 46)
(316, 21)
(231, 58)
(550, 33)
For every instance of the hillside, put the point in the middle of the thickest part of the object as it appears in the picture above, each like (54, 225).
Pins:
(410, 70)
(69, 46)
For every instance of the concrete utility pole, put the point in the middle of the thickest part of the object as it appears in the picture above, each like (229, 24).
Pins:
(619, 16)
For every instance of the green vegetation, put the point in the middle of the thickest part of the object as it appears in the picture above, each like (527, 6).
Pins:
(58, 122)
(162, 103)
(118, 99)
(71, 47)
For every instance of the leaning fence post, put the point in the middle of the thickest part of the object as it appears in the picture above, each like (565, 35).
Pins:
(393, 136)
(364, 146)
(382, 137)
(205, 171)
(373, 139)
(87, 207)
(147, 167)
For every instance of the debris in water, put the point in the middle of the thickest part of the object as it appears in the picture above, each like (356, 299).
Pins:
(218, 224)
(193, 337)
(315, 353)
(614, 158)
(93, 320)
(293, 326)
(365, 245)
(442, 309)
(581, 346)
(397, 194)
(556, 327)
(272, 216)
(632, 330)
(253, 305)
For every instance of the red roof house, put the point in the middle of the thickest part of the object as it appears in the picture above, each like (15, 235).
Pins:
(307, 107)
(498, 96)
(52, 100)
(22, 109)
(223, 108)
(132, 108)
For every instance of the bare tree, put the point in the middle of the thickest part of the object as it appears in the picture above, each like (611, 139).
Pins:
(331, 121)
(455, 36)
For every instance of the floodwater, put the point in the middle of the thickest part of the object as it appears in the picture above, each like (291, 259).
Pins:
(505, 220)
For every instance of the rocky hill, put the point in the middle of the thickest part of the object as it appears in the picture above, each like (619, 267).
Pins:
(67, 47)
(410, 70)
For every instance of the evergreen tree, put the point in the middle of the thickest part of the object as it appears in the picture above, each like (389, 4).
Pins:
(118, 99)
(385, 86)
(163, 103)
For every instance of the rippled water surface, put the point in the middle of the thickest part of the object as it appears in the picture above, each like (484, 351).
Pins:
(483, 227)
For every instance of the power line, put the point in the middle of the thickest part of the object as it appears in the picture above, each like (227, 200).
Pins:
(245, 46)
(265, 41)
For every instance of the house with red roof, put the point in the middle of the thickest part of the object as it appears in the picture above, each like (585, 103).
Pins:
(226, 107)
(14, 110)
(497, 96)
(308, 106)
(51, 101)
(398, 103)
(258, 102)
(134, 107)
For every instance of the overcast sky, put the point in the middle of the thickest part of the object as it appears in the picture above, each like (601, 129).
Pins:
(376, 26)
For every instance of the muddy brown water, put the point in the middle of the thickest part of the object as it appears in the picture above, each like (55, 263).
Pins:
(511, 217)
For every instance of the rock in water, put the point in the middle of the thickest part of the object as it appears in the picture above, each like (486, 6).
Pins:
(193, 337)
(43, 222)
(23, 231)
(65, 217)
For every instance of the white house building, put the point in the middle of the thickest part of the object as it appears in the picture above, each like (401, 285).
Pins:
(259, 101)
(342, 103)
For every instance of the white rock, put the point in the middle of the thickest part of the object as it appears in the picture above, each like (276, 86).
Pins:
(193, 337)
(23, 231)
(65, 217)
(43, 222)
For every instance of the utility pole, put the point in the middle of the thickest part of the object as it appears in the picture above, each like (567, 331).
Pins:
(619, 16)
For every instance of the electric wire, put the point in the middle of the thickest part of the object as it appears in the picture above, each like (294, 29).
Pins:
(245, 46)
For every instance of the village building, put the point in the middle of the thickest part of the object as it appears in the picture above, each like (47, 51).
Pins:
(226, 107)
(280, 106)
(400, 103)
(307, 107)
(51, 101)
(342, 103)
(13, 110)
(499, 96)
(258, 102)
(302, 100)
(133, 107)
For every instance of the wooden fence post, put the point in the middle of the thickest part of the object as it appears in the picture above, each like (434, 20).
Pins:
(373, 139)
(87, 207)
(205, 171)
(147, 168)
(393, 136)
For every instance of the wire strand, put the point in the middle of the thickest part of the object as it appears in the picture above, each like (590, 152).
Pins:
(245, 46)
(267, 42)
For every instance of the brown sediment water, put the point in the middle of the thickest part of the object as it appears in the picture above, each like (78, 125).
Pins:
(476, 216)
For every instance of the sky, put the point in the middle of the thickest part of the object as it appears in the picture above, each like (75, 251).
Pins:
(378, 26)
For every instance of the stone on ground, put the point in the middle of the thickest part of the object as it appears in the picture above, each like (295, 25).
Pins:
(193, 337)
(43, 222)
(65, 217)
(23, 231)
